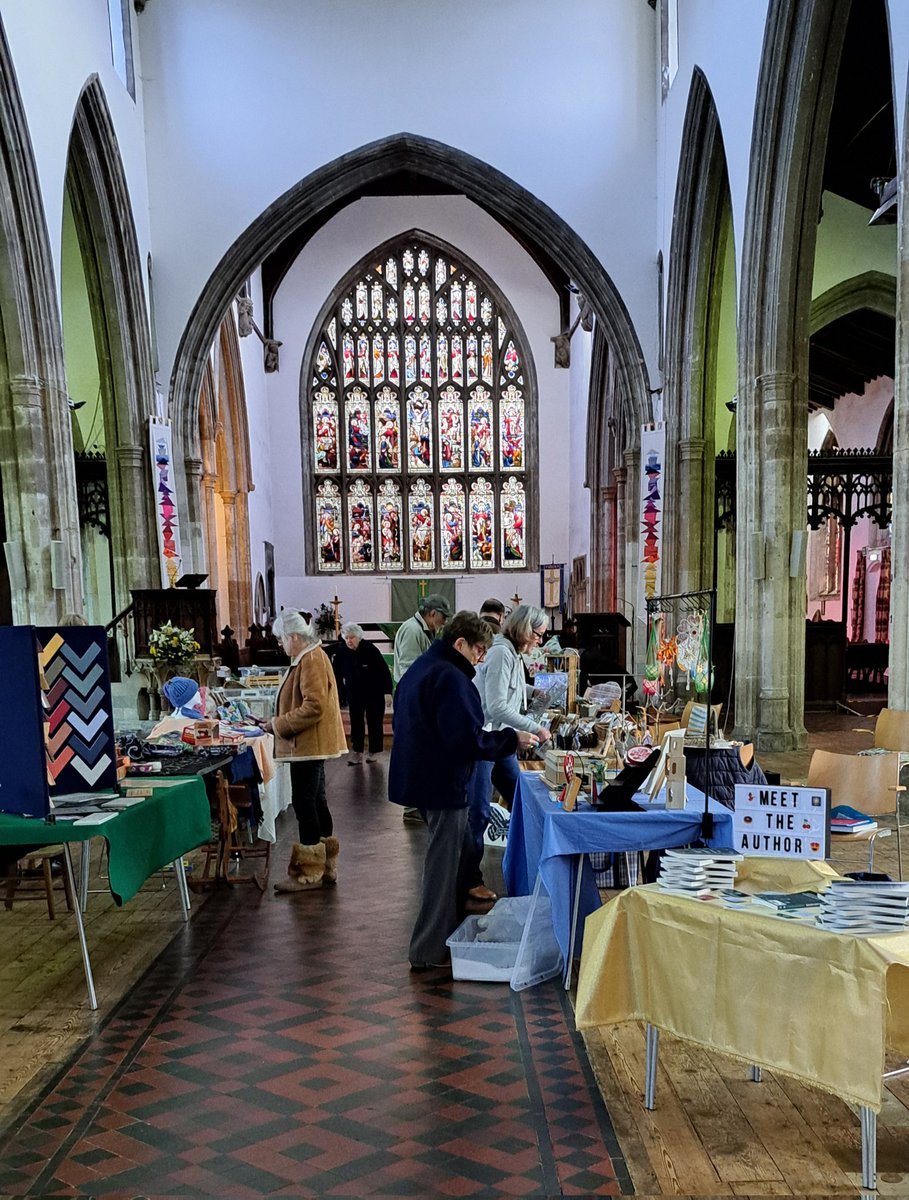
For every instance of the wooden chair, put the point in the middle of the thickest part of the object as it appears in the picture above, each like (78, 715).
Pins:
(24, 872)
(686, 714)
(233, 836)
(891, 730)
(867, 782)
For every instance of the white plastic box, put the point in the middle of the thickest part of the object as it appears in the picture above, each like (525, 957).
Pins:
(536, 950)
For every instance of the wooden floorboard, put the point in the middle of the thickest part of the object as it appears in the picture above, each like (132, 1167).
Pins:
(44, 1013)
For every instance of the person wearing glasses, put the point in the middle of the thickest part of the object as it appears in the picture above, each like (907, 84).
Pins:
(503, 693)
(438, 740)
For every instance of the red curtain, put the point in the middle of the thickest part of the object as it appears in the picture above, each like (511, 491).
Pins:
(858, 599)
(882, 604)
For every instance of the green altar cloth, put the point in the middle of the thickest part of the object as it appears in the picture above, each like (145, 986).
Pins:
(141, 840)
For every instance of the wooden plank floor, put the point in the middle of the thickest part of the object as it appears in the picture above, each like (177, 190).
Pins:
(44, 1013)
(716, 1133)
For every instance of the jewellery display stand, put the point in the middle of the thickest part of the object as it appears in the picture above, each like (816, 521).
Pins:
(703, 604)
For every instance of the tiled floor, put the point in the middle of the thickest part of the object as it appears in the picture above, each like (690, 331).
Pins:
(281, 1046)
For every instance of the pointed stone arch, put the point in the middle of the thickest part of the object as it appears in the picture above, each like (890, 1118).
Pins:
(696, 253)
(36, 457)
(113, 269)
(326, 190)
(872, 289)
(803, 42)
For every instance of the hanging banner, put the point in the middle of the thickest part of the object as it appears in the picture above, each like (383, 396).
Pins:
(166, 519)
(653, 456)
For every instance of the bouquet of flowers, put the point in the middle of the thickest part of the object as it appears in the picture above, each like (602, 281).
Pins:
(170, 646)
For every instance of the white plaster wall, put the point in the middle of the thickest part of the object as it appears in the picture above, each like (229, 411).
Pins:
(56, 47)
(243, 100)
(725, 42)
(848, 246)
(321, 265)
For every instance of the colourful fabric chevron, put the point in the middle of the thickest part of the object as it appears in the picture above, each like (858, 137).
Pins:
(80, 729)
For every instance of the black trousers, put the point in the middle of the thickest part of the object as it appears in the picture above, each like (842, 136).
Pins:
(307, 794)
(373, 710)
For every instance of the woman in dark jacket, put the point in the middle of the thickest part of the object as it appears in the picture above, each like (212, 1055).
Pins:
(439, 736)
(367, 681)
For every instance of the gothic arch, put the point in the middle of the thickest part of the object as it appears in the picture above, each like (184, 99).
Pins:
(802, 48)
(110, 253)
(36, 458)
(327, 189)
(698, 243)
(872, 289)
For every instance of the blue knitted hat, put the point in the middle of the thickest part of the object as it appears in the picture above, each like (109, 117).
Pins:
(180, 690)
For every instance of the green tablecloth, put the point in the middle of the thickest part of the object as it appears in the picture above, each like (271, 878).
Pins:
(172, 821)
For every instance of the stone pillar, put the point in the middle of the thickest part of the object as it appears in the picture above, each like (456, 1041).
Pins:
(693, 539)
(898, 695)
(605, 590)
(770, 606)
(134, 520)
(193, 526)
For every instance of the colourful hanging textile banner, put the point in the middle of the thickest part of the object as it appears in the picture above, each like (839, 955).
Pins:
(166, 518)
(653, 455)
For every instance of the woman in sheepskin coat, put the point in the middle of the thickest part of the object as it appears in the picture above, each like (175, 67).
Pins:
(307, 730)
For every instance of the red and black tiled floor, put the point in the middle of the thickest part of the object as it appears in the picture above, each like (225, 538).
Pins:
(281, 1047)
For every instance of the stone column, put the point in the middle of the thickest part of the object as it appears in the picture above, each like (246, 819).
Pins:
(27, 498)
(770, 606)
(693, 539)
(134, 518)
(193, 525)
(898, 695)
(606, 583)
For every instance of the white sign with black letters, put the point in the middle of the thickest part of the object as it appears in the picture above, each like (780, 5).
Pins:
(781, 822)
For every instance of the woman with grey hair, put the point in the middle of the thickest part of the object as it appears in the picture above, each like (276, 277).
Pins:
(307, 729)
(367, 681)
(503, 693)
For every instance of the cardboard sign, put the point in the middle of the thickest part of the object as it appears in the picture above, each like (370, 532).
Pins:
(781, 822)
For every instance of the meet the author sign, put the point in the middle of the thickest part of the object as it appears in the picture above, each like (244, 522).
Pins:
(782, 822)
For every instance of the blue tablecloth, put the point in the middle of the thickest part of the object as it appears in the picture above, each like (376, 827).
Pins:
(542, 837)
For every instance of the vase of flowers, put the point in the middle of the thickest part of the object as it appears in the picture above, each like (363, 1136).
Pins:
(169, 646)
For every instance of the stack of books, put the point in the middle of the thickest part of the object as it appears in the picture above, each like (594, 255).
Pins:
(844, 819)
(697, 872)
(853, 906)
(792, 906)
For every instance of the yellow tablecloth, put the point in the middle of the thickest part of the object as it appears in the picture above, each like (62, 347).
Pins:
(819, 1006)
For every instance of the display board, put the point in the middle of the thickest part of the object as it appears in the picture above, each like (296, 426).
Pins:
(57, 735)
(81, 752)
(23, 765)
(782, 822)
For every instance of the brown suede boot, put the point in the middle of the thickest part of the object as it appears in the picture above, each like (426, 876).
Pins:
(305, 870)
(332, 847)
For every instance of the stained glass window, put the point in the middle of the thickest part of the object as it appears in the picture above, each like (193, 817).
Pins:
(420, 412)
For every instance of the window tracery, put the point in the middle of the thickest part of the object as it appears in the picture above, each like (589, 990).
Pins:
(419, 398)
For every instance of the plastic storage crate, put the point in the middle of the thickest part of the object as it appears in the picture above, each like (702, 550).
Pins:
(527, 956)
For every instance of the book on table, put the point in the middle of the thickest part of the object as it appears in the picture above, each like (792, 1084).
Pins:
(845, 819)
(790, 902)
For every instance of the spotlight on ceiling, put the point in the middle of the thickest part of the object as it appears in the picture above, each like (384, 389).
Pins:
(886, 212)
(74, 405)
(732, 404)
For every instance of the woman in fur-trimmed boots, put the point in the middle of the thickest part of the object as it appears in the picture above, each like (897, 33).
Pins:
(308, 730)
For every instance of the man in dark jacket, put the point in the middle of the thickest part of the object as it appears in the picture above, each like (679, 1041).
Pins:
(438, 736)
